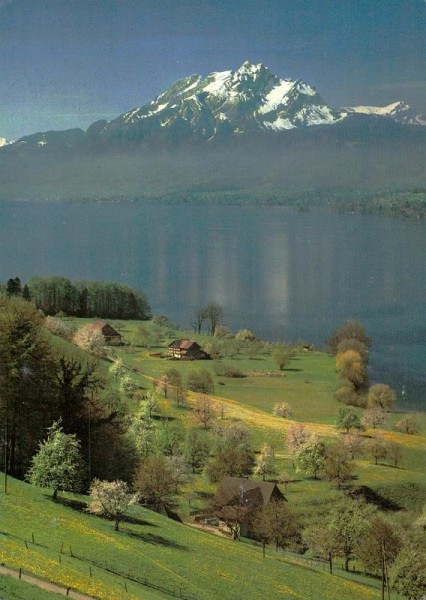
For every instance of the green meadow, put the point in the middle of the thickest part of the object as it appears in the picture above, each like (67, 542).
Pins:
(13, 589)
(154, 557)
(307, 385)
(84, 552)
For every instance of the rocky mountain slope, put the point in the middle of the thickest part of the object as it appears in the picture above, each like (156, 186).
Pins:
(232, 130)
(400, 112)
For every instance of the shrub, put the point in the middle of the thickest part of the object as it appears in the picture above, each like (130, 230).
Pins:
(408, 425)
(353, 344)
(128, 386)
(348, 419)
(90, 339)
(245, 335)
(346, 394)
(222, 332)
(351, 367)
(234, 461)
(297, 436)
(200, 380)
(111, 499)
(381, 395)
(117, 369)
(226, 370)
(282, 409)
(348, 330)
(282, 355)
(58, 463)
(59, 328)
(377, 448)
(373, 417)
(160, 320)
(213, 349)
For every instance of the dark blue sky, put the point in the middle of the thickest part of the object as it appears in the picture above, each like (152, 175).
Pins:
(66, 63)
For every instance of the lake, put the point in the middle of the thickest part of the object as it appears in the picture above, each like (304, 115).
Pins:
(287, 276)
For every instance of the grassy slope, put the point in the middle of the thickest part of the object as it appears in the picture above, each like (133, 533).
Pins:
(308, 387)
(13, 589)
(175, 556)
(202, 564)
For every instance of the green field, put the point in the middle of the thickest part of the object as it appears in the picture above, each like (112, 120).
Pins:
(180, 559)
(150, 552)
(12, 589)
(307, 385)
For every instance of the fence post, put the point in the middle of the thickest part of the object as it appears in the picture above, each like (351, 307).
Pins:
(125, 586)
(26, 545)
(68, 591)
(32, 537)
(20, 573)
(60, 560)
(71, 554)
(62, 547)
(90, 571)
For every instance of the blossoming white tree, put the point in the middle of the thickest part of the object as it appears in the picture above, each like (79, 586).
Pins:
(90, 339)
(58, 463)
(111, 499)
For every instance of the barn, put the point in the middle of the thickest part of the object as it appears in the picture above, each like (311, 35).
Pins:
(112, 337)
(239, 491)
(186, 349)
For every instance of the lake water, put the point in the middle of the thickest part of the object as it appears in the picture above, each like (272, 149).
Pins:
(287, 276)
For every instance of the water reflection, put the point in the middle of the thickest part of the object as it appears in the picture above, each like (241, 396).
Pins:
(284, 275)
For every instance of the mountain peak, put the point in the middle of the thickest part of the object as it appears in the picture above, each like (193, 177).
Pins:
(225, 103)
(248, 67)
(248, 99)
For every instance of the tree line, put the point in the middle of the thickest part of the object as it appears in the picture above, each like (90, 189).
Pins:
(104, 299)
(42, 382)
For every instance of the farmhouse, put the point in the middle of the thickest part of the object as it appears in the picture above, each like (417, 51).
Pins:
(112, 337)
(237, 499)
(237, 491)
(186, 349)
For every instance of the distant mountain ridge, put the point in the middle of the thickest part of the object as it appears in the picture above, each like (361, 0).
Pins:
(232, 130)
(400, 112)
(250, 99)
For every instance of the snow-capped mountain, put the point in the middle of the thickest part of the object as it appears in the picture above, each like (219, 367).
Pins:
(4, 142)
(227, 103)
(236, 102)
(400, 112)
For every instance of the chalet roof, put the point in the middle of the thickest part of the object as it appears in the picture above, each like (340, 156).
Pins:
(183, 344)
(259, 492)
(105, 328)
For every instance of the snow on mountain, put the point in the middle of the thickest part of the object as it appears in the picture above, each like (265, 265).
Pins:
(4, 142)
(398, 111)
(248, 99)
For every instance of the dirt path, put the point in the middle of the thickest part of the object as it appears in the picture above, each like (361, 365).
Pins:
(44, 585)
(207, 528)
